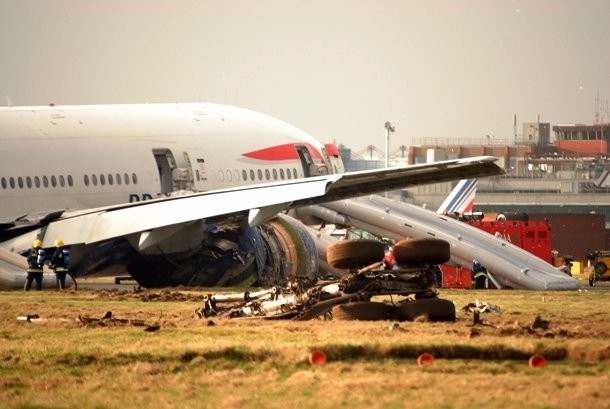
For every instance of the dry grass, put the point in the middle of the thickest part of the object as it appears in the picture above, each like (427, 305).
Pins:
(60, 362)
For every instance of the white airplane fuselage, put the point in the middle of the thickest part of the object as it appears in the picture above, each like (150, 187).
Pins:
(88, 156)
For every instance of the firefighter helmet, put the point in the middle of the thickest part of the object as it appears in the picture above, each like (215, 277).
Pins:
(37, 243)
(59, 243)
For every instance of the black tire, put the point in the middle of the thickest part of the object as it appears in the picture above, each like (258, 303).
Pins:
(351, 254)
(419, 251)
(600, 268)
(363, 311)
(435, 309)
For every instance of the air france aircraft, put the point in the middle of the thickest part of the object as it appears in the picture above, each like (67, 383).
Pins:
(461, 198)
(178, 194)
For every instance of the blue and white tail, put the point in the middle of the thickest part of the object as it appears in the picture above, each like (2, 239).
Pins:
(461, 198)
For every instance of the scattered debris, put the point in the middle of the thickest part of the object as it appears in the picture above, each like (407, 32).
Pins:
(539, 323)
(108, 320)
(474, 333)
(479, 307)
(411, 277)
(302, 300)
(149, 296)
(30, 318)
(482, 307)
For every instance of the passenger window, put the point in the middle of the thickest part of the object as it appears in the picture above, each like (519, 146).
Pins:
(294, 173)
(86, 179)
(110, 179)
(274, 174)
(244, 175)
(53, 181)
(70, 181)
(62, 181)
(3, 183)
(20, 181)
(134, 178)
(36, 181)
(252, 175)
(12, 182)
(118, 178)
(126, 178)
(267, 174)
(45, 181)
(102, 180)
(260, 174)
(94, 180)
(288, 173)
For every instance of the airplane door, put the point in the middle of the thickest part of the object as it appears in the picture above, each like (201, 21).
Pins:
(201, 173)
(197, 165)
(306, 160)
(165, 164)
(310, 168)
(183, 177)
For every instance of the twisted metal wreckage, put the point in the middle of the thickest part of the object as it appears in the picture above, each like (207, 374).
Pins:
(408, 282)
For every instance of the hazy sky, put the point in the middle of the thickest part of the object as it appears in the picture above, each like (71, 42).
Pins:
(446, 69)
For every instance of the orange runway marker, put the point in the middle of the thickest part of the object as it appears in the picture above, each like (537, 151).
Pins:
(537, 361)
(425, 359)
(317, 358)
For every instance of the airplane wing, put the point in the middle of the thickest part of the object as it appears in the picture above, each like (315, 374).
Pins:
(261, 201)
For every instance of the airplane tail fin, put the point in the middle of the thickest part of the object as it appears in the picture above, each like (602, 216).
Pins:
(461, 198)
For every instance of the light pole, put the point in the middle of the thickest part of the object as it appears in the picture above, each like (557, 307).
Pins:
(388, 128)
(489, 138)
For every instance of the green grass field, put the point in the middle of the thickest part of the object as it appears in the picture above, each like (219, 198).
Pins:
(61, 361)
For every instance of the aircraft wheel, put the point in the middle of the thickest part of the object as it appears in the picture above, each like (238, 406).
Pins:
(349, 254)
(363, 311)
(600, 268)
(435, 309)
(418, 251)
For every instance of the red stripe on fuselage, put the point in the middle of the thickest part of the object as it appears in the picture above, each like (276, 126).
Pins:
(332, 149)
(281, 152)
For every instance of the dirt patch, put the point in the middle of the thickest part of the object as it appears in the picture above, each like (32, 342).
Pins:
(147, 295)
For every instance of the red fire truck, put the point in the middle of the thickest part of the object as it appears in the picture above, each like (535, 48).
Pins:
(533, 236)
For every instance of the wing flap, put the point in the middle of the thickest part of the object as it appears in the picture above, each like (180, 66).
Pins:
(104, 224)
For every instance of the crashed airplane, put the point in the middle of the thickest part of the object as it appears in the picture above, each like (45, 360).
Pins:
(177, 194)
